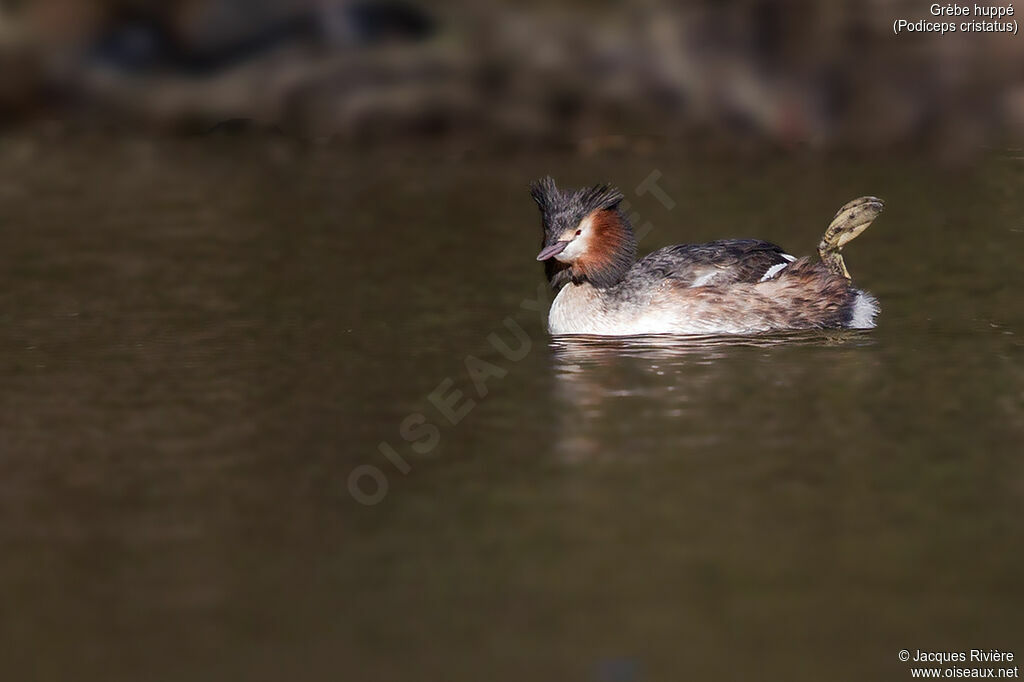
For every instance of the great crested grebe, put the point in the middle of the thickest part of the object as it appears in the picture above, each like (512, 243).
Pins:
(731, 286)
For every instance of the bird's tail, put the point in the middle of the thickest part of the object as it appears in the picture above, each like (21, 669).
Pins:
(852, 219)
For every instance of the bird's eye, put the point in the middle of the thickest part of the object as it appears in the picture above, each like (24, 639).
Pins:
(579, 232)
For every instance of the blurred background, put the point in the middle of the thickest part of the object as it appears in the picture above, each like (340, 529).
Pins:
(794, 73)
(242, 241)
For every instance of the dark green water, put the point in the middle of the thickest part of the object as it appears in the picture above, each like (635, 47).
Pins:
(202, 340)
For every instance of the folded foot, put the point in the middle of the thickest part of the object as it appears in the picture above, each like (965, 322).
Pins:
(850, 221)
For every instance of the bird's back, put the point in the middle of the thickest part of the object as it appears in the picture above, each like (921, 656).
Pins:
(717, 263)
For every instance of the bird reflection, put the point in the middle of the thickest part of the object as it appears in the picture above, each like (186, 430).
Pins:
(570, 350)
(626, 395)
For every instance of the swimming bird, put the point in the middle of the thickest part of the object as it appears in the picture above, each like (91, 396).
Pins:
(730, 286)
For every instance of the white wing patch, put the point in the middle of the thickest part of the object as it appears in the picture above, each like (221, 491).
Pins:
(774, 270)
(703, 279)
(771, 272)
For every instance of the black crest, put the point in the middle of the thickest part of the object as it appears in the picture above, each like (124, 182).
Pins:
(562, 210)
(571, 205)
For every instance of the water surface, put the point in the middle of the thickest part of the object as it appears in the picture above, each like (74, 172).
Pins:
(202, 340)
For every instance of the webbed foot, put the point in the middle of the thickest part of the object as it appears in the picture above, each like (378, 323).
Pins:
(852, 219)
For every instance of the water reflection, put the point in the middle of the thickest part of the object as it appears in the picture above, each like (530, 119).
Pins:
(571, 350)
(650, 387)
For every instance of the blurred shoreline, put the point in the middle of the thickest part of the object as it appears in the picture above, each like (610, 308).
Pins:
(784, 75)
